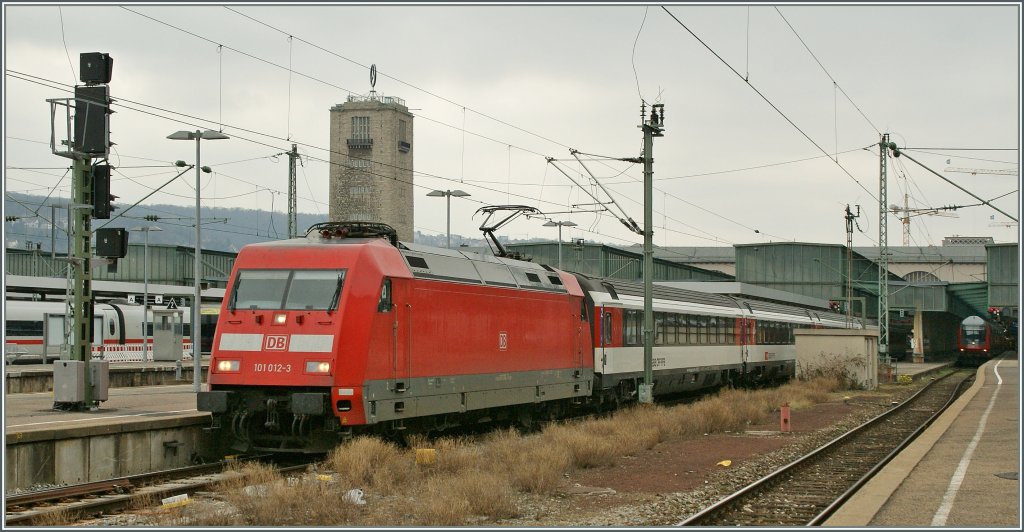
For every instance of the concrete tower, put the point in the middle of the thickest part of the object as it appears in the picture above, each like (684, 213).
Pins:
(371, 162)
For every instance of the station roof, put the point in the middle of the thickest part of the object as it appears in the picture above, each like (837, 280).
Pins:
(900, 254)
(905, 254)
(748, 290)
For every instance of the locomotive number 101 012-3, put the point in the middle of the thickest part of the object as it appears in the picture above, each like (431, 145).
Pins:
(272, 368)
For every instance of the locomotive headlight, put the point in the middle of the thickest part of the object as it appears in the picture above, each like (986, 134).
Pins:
(313, 366)
(280, 319)
(227, 365)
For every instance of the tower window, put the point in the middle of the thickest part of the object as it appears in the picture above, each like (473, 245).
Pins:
(403, 140)
(361, 127)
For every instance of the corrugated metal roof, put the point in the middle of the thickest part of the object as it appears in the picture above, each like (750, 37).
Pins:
(974, 295)
(900, 254)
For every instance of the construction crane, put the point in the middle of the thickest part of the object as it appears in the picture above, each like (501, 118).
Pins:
(976, 171)
(908, 212)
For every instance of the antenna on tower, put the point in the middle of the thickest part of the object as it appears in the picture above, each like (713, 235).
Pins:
(373, 82)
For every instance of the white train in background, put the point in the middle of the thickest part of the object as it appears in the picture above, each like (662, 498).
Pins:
(34, 331)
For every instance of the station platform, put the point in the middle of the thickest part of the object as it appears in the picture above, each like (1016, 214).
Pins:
(38, 377)
(963, 471)
(138, 429)
(916, 369)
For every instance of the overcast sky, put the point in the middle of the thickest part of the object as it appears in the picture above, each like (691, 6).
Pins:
(497, 89)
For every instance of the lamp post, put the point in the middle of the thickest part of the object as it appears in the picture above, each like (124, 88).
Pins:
(448, 195)
(552, 223)
(145, 292)
(197, 367)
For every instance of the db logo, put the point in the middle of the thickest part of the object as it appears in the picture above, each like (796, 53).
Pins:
(275, 342)
(502, 341)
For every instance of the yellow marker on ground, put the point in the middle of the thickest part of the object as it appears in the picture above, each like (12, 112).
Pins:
(426, 456)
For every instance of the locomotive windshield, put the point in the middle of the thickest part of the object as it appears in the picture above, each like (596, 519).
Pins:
(287, 289)
(973, 334)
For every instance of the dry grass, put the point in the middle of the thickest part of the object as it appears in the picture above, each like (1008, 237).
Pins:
(61, 517)
(530, 464)
(476, 481)
(372, 464)
(454, 499)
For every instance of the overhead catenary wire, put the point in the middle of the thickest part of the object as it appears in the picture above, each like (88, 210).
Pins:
(64, 39)
(769, 102)
(925, 150)
(673, 196)
(220, 46)
(968, 192)
(410, 85)
(835, 84)
(462, 106)
(122, 103)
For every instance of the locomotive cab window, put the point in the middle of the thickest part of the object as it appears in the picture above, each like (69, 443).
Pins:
(314, 289)
(287, 289)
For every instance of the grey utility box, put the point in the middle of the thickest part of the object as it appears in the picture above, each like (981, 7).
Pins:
(68, 381)
(167, 334)
(99, 379)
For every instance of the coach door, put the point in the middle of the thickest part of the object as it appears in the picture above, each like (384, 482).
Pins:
(746, 332)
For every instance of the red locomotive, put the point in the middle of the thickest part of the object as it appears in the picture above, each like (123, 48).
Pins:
(978, 340)
(346, 331)
(349, 331)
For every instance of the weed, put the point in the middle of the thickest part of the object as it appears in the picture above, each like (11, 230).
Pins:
(371, 463)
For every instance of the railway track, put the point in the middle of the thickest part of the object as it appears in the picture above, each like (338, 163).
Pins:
(809, 490)
(82, 501)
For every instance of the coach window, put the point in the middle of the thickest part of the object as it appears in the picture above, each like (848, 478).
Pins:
(24, 328)
(676, 335)
(664, 328)
(385, 305)
(627, 327)
(670, 328)
(712, 330)
(659, 332)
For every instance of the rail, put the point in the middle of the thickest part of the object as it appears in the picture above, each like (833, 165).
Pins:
(810, 489)
(93, 498)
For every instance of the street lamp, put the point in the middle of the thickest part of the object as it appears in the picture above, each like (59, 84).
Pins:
(448, 195)
(145, 293)
(197, 367)
(552, 223)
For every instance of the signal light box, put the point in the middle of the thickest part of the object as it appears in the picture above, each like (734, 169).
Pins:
(112, 242)
(95, 67)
